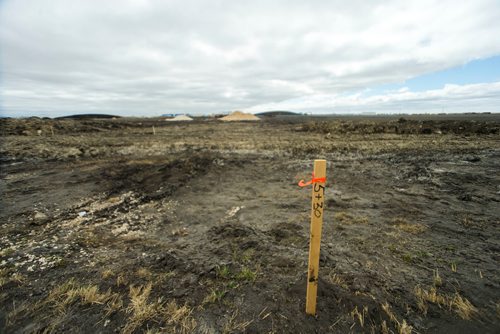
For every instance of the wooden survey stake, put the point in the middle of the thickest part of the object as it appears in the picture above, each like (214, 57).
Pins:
(318, 199)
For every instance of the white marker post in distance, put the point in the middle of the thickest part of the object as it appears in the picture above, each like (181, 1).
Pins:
(318, 200)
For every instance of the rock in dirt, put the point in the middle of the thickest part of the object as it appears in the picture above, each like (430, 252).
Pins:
(474, 158)
(122, 229)
(169, 261)
(177, 293)
(39, 218)
(72, 152)
(465, 197)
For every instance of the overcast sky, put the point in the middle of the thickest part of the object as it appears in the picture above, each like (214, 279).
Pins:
(154, 57)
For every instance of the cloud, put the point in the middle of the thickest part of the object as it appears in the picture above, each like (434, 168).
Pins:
(153, 57)
(483, 97)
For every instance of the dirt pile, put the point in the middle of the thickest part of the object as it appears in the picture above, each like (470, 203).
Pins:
(179, 118)
(239, 116)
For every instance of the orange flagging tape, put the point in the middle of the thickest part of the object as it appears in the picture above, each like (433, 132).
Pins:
(313, 180)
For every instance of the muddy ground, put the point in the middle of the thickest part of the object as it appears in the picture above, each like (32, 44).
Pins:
(200, 227)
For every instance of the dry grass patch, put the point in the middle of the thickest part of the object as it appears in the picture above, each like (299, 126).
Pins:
(348, 219)
(55, 306)
(214, 296)
(143, 273)
(360, 316)
(438, 281)
(177, 319)
(383, 328)
(114, 304)
(457, 303)
(424, 296)
(338, 280)
(19, 311)
(234, 326)
(7, 276)
(71, 292)
(121, 280)
(463, 307)
(140, 309)
(162, 277)
(105, 274)
(403, 225)
(180, 317)
(402, 327)
(469, 222)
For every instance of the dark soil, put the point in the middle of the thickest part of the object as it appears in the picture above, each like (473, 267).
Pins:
(211, 216)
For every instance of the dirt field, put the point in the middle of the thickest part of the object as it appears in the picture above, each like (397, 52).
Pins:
(201, 227)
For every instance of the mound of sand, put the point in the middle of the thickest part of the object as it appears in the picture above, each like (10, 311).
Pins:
(239, 116)
(180, 118)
